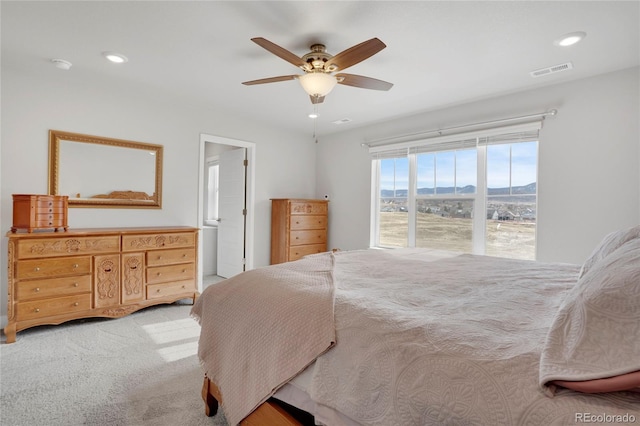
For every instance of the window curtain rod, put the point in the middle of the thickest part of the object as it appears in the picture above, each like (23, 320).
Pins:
(419, 135)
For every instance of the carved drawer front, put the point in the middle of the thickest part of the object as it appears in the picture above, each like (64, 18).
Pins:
(38, 289)
(296, 252)
(308, 237)
(158, 241)
(132, 277)
(163, 274)
(61, 266)
(308, 222)
(308, 208)
(168, 257)
(106, 281)
(59, 305)
(48, 247)
(156, 291)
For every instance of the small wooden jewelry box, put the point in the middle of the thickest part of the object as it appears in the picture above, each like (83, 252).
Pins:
(39, 212)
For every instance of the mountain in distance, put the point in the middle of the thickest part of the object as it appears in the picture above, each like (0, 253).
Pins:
(529, 189)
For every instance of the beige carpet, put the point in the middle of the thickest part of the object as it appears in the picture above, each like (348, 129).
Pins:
(138, 370)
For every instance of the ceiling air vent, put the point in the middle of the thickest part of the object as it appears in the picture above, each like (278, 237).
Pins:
(551, 70)
(342, 121)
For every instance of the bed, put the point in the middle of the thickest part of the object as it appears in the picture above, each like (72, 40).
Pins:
(426, 337)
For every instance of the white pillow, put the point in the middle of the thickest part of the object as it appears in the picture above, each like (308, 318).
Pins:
(596, 332)
(609, 244)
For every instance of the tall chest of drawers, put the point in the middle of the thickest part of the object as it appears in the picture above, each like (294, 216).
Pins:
(57, 277)
(298, 228)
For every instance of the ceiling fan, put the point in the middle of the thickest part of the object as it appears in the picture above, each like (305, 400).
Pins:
(319, 68)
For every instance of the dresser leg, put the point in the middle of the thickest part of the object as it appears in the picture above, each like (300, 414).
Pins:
(10, 332)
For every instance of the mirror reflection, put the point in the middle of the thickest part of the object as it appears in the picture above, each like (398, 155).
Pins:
(103, 172)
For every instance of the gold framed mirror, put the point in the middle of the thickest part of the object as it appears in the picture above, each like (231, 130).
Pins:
(96, 171)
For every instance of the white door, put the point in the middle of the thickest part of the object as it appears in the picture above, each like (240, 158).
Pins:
(231, 212)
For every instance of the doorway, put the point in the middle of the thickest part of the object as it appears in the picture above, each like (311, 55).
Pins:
(235, 247)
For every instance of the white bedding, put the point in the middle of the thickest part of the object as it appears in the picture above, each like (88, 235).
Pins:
(452, 341)
(457, 341)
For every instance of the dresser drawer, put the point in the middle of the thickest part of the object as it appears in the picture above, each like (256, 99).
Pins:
(47, 307)
(67, 246)
(38, 289)
(298, 208)
(308, 237)
(51, 268)
(163, 274)
(48, 220)
(158, 241)
(168, 257)
(308, 222)
(297, 252)
(42, 203)
(156, 291)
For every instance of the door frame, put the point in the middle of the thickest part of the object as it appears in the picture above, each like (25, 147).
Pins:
(250, 196)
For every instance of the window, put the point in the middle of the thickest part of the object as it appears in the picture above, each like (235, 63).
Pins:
(473, 194)
(211, 193)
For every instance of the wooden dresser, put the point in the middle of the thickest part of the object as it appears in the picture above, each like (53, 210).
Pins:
(32, 212)
(298, 228)
(102, 272)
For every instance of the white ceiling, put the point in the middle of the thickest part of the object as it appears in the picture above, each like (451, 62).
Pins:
(438, 53)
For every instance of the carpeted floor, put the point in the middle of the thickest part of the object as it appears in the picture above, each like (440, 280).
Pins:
(141, 369)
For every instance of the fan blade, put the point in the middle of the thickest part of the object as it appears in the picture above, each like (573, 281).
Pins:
(279, 51)
(363, 82)
(355, 54)
(316, 99)
(270, 80)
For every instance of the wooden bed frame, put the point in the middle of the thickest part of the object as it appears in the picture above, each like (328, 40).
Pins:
(269, 413)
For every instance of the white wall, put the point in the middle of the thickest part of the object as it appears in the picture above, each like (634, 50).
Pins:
(589, 161)
(55, 99)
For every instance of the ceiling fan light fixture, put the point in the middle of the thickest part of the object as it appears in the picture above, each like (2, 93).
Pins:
(317, 84)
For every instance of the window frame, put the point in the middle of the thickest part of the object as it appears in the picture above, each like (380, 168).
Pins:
(411, 150)
(207, 218)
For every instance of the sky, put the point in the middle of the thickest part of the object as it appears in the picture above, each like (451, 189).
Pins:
(461, 167)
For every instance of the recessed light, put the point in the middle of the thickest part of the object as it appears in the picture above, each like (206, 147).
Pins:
(62, 64)
(570, 39)
(313, 115)
(115, 57)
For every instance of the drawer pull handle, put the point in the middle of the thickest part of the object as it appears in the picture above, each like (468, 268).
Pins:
(37, 310)
(133, 268)
(159, 273)
(37, 268)
(75, 265)
(76, 304)
(184, 255)
(50, 210)
(184, 286)
(184, 270)
(159, 257)
(75, 284)
(37, 289)
(107, 270)
(158, 291)
(297, 238)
